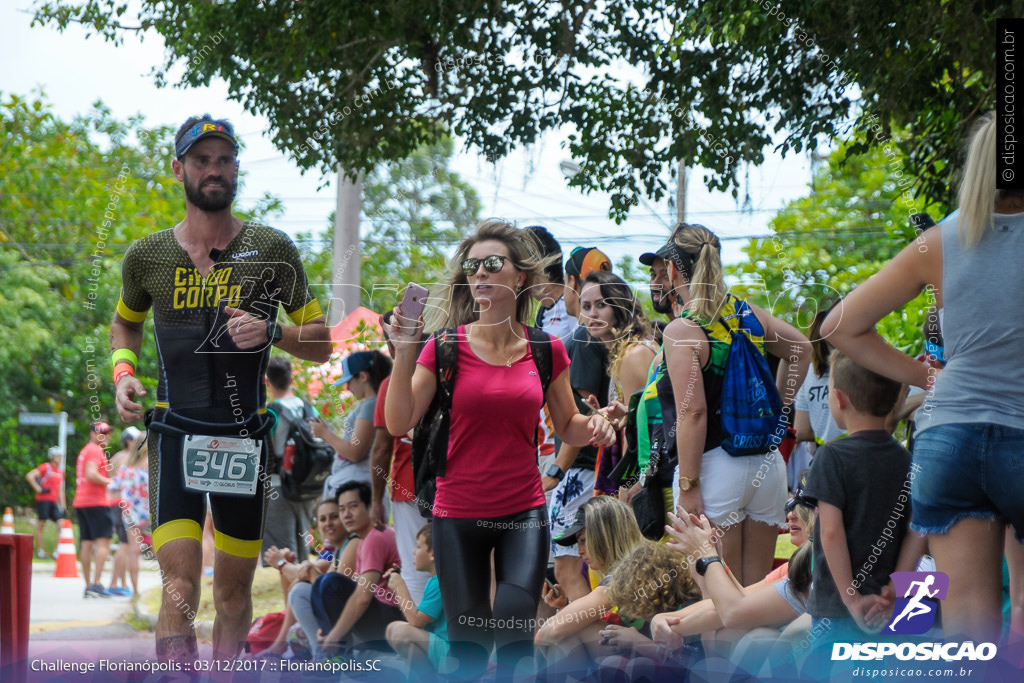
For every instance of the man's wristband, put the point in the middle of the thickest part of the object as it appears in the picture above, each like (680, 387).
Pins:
(123, 355)
(280, 563)
(122, 369)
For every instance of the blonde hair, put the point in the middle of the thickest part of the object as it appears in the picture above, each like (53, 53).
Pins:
(140, 449)
(457, 304)
(612, 531)
(978, 187)
(650, 580)
(700, 264)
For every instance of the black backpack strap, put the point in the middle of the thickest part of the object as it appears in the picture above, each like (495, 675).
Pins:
(446, 355)
(540, 349)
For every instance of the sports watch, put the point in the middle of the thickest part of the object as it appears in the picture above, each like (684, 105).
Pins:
(555, 472)
(705, 562)
(274, 332)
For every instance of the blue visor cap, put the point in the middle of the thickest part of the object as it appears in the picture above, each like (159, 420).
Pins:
(353, 364)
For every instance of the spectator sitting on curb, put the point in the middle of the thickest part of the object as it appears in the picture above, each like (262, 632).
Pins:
(423, 641)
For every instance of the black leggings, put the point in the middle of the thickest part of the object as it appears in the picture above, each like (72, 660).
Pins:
(462, 554)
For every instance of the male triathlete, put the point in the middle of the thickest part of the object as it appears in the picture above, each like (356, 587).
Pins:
(214, 284)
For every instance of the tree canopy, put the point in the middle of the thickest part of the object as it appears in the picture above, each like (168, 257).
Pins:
(854, 221)
(642, 84)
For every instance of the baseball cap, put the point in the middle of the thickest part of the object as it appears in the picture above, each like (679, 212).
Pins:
(670, 252)
(585, 260)
(568, 537)
(101, 427)
(353, 364)
(55, 452)
(204, 127)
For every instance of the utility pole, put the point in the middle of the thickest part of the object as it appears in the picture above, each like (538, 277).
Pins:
(346, 263)
(681, 193)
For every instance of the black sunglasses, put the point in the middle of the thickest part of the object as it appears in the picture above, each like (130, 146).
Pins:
(492, 264)
(799, 499)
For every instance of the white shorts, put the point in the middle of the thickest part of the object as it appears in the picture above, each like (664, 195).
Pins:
(408, 522)
(734, 488)
(575, 489)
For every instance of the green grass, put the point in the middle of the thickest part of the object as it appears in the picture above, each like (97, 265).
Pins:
(783, 546)
(266, 595)
(50, 534)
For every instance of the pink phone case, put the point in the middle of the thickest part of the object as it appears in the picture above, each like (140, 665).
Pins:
(414, 300)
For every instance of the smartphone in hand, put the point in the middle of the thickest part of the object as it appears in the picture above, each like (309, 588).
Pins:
(414, 301)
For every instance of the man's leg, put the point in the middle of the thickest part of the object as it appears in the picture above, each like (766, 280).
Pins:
(85, 556)
(40, 524)
(180, 566)
(102, 547)
(232, 598)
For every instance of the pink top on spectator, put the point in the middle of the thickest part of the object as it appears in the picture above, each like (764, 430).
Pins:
(379, 552)
(492, 458)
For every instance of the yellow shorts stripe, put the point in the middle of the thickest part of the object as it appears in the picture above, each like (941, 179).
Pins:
(173, 530)
(236, 546)
(310, 311)
(128, 314)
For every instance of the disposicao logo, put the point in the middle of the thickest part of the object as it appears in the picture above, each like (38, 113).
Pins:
(914, 613)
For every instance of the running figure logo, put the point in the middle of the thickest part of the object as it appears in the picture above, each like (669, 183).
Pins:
(914, 613)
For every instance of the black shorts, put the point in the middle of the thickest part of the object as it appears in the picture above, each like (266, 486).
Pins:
(94, 523)
(47, 509)
(181, 513)
(118, 522)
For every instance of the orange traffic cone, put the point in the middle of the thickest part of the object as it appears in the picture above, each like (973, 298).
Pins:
(67, 561)
(8, 525)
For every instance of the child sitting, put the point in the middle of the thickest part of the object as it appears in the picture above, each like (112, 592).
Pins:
(423, 638)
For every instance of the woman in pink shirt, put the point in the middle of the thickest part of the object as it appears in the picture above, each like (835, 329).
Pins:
(490, 498)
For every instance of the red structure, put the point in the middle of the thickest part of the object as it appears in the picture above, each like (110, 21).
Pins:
(15, 597)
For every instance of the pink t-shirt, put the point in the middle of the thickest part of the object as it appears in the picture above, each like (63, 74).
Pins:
(492, 458)
(88, 494)
(50, 478)
(379, 552)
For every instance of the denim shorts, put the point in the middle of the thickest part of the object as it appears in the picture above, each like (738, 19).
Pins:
(967, 470)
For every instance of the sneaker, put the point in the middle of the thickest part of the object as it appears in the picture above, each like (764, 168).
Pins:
(120, 592)
(96, 591)
(41, 555)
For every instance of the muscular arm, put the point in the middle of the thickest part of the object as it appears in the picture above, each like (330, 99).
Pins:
(33, 480)
(310, 341)
(380, 470)
(571, 427)
(92, 474)
(127, 335)
(850, 327)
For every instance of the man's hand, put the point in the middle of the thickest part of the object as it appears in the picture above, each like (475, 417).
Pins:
(548, 483)
(246, 330)
(377, 517)
(124, 397)
(626, 495)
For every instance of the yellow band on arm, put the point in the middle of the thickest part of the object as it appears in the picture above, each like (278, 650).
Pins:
(128, 314)
(172, 531)
(310, 311)
(236, 546)
(125, 355)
